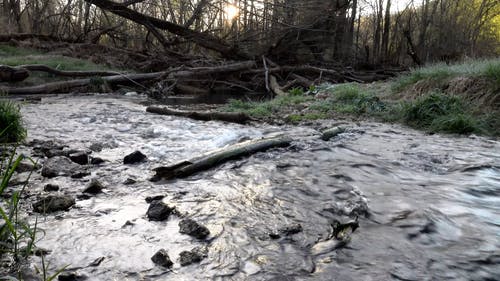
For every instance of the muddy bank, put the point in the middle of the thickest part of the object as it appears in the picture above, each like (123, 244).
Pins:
(427, 205)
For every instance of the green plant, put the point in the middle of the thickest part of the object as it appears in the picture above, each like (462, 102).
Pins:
(11, 125)
(492, 71)
(14, 231)
(349, 98)
(424, 110)
(296, 92)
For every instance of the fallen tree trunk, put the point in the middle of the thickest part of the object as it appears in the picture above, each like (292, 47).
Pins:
(66, 86)
(232, 117)
(66, 73)
(12, 74)
(205, 162)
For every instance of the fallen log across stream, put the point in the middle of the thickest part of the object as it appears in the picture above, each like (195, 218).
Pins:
(233, 117)
(66, 86)
(189, 167)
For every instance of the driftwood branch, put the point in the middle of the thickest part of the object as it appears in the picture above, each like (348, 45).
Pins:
(275, 87)
(232, 117)
(12, 74)
(47, 69)
(66, 86)
(210, 160)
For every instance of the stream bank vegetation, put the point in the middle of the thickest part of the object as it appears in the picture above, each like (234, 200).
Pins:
(460, 98)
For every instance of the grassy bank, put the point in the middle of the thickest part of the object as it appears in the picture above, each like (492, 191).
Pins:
(14, 56)
(462, 98)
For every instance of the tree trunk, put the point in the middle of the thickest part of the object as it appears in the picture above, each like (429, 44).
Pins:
(192, 166)
(203, 39)
(232, 117)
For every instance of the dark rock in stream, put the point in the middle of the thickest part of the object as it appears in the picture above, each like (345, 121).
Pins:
(134, 157)
(161, 258)
(159, 211)
(96, 160)
(80, 157)
(150, 199)
(193, 256)
(80, 174)
(53, 203)
(286, 231)
(71, 276)
(192, 228)
(291, 229)
(59, 166)
(51, 187)
(94, 187)
(130, 181)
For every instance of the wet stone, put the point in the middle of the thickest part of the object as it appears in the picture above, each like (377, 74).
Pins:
(291, 229)
(150, 199)
(159, 211)
(161, 258)
(96, 160)
(134, 157)
(97, 147)
(53, 203)
(59, 166)
(130, 181)
(194, 256)
(192, 228)
(26, 166)
(71, 276)
(51, 187)
(80, 174)
(94, 187)
(80, 157)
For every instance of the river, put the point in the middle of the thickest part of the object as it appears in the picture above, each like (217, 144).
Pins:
(428, 205)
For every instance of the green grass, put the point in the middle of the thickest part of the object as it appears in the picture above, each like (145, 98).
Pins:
(442, 113)
(11, 124)
(349, 99)
(440, 73)
(14, 232)
(266, 108)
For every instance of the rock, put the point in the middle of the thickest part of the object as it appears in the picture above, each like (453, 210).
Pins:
(192, 228)
(130, 181)
(53, 203)
(94, 187)
(51, 187)
(59, 166)
(83, 196)
(193, 256)
(97, 147)
(35, 251)
(291, 229)
(134, 157)
(71, 276)
(80, 157)
(97, 261)
(80, 174)
(96, 160)
(26, 166)
(161, 258)
(150, 199)
(330, 133)
(42, 148)
(286, 231)
(158, 211)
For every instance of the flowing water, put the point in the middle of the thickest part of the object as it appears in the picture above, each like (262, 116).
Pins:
(428, 205)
